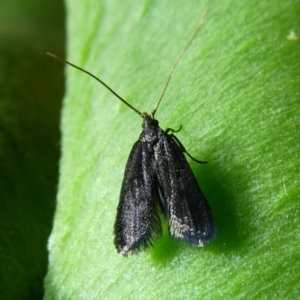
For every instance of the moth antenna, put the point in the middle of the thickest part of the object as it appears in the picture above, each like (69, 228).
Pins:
(178, 59)
(98, 79)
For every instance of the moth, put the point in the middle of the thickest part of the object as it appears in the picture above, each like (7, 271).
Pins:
(159, 181)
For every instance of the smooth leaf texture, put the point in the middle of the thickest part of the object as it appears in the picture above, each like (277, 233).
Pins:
(236, 92)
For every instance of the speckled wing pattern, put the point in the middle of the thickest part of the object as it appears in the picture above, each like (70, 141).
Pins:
(188, 213)
(138, 221)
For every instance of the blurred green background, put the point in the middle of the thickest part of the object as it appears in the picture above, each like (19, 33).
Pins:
(31, 91)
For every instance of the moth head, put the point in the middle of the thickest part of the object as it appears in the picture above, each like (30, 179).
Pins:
(148, 120)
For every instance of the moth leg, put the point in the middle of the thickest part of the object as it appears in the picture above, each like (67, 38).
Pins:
(173, 130)
(182, 147)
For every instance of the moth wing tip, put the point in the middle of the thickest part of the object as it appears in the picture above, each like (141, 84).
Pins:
(192, 237)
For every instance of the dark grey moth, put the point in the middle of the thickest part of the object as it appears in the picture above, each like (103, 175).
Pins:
(158, 181)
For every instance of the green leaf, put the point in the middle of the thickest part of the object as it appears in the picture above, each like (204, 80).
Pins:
(236, 92)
